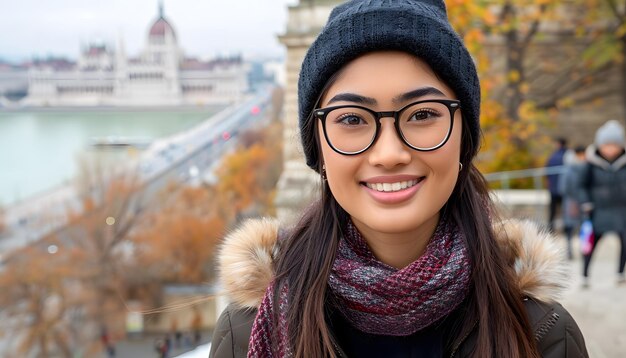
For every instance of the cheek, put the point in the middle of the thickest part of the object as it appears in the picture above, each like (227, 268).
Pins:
(452, 149)
(340, 169)
(334, 162)
(340, 173)
(445, 161)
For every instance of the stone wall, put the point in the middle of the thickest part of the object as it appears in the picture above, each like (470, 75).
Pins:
(298, 183)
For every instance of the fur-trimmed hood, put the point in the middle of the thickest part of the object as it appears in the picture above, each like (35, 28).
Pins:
(592, 156)
(246, 260)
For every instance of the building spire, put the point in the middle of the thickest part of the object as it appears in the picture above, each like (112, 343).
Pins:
(161, 8)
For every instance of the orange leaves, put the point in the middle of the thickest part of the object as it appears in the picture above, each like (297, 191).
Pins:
(240, 175)
(34, 289)
(115, 250)
(513, 76)
(467, 14)
(499, 35)
(180, 239)
(474, 39)
(248, 176)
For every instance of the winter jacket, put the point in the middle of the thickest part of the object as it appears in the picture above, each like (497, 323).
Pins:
(603, 187)
(246, 269)
(570, 189)
(556, 159)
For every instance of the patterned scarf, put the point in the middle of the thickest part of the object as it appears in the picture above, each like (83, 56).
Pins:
(375, 297)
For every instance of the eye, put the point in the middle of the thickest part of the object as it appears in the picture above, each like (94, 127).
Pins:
(424, 114)
(350, 119)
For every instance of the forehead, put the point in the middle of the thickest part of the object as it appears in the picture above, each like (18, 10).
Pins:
(383, 75)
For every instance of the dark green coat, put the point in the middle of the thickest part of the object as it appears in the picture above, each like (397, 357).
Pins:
(246, 270)
(556, 331)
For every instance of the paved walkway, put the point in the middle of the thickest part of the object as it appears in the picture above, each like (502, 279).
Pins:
(145, 347)
(599, 310)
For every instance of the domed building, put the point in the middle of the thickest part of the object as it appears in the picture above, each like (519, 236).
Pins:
(160, 76)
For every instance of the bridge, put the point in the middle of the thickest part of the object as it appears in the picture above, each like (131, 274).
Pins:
(187, 156)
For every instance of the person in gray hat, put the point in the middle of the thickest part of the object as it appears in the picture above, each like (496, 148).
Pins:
(603, 191)
(403, 253)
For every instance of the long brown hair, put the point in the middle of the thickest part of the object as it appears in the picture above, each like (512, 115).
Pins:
(494, 302)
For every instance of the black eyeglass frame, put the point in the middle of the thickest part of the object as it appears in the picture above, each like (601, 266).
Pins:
(452, 104)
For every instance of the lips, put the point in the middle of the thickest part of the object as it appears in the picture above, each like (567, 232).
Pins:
(393, 189)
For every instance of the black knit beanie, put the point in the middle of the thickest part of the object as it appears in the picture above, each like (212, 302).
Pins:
(418, 27)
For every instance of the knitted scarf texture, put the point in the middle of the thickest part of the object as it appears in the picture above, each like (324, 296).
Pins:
(375, 297)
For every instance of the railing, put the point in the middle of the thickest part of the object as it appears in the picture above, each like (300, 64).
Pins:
(536, 173)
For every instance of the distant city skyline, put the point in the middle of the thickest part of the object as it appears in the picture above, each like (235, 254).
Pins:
(33, 28)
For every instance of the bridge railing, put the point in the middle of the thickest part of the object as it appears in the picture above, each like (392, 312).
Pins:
(537, 174)
(529, 203)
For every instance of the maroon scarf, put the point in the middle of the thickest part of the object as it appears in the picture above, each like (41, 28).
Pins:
(375, 297)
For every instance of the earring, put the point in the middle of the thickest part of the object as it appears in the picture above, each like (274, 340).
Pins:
(324, 172)
(460, 166)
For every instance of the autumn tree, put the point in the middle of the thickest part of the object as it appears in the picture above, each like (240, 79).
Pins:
(534, 59)
(82, 272)
(176, 243)
(113, 205)
(118, 245)
(248, 176)
(37, 299)
(605, 31)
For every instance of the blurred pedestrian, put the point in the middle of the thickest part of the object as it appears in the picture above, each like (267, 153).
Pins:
(403, 253)
(175, 332)
(555, 160)
(163, 346)
(196, 327)
(107, 343)
(574, 163)
(603, 194)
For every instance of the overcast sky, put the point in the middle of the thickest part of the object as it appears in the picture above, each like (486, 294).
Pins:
(204, 28)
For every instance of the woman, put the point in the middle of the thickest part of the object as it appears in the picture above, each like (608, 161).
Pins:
(603, 191)
(399, 257)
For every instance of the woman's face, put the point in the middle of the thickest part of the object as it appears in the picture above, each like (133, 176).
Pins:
(378, 81)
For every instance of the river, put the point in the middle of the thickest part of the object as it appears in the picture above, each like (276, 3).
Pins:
(40, 150)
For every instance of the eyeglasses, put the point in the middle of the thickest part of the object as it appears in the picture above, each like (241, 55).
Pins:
(423, 125)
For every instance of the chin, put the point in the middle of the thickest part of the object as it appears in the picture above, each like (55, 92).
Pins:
(397, 224)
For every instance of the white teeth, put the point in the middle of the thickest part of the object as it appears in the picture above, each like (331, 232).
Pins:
(390, 187)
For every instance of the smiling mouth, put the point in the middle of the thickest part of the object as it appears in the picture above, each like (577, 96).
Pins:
(393, 187)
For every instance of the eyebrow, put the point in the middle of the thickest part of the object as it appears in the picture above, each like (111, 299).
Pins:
(417, 93)
(414, 94)
(352, 97)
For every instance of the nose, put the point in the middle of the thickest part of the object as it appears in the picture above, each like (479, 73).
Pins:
(389, 150)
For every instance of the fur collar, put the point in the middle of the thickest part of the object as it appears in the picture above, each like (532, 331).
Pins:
(246, 264)
(591, 153)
